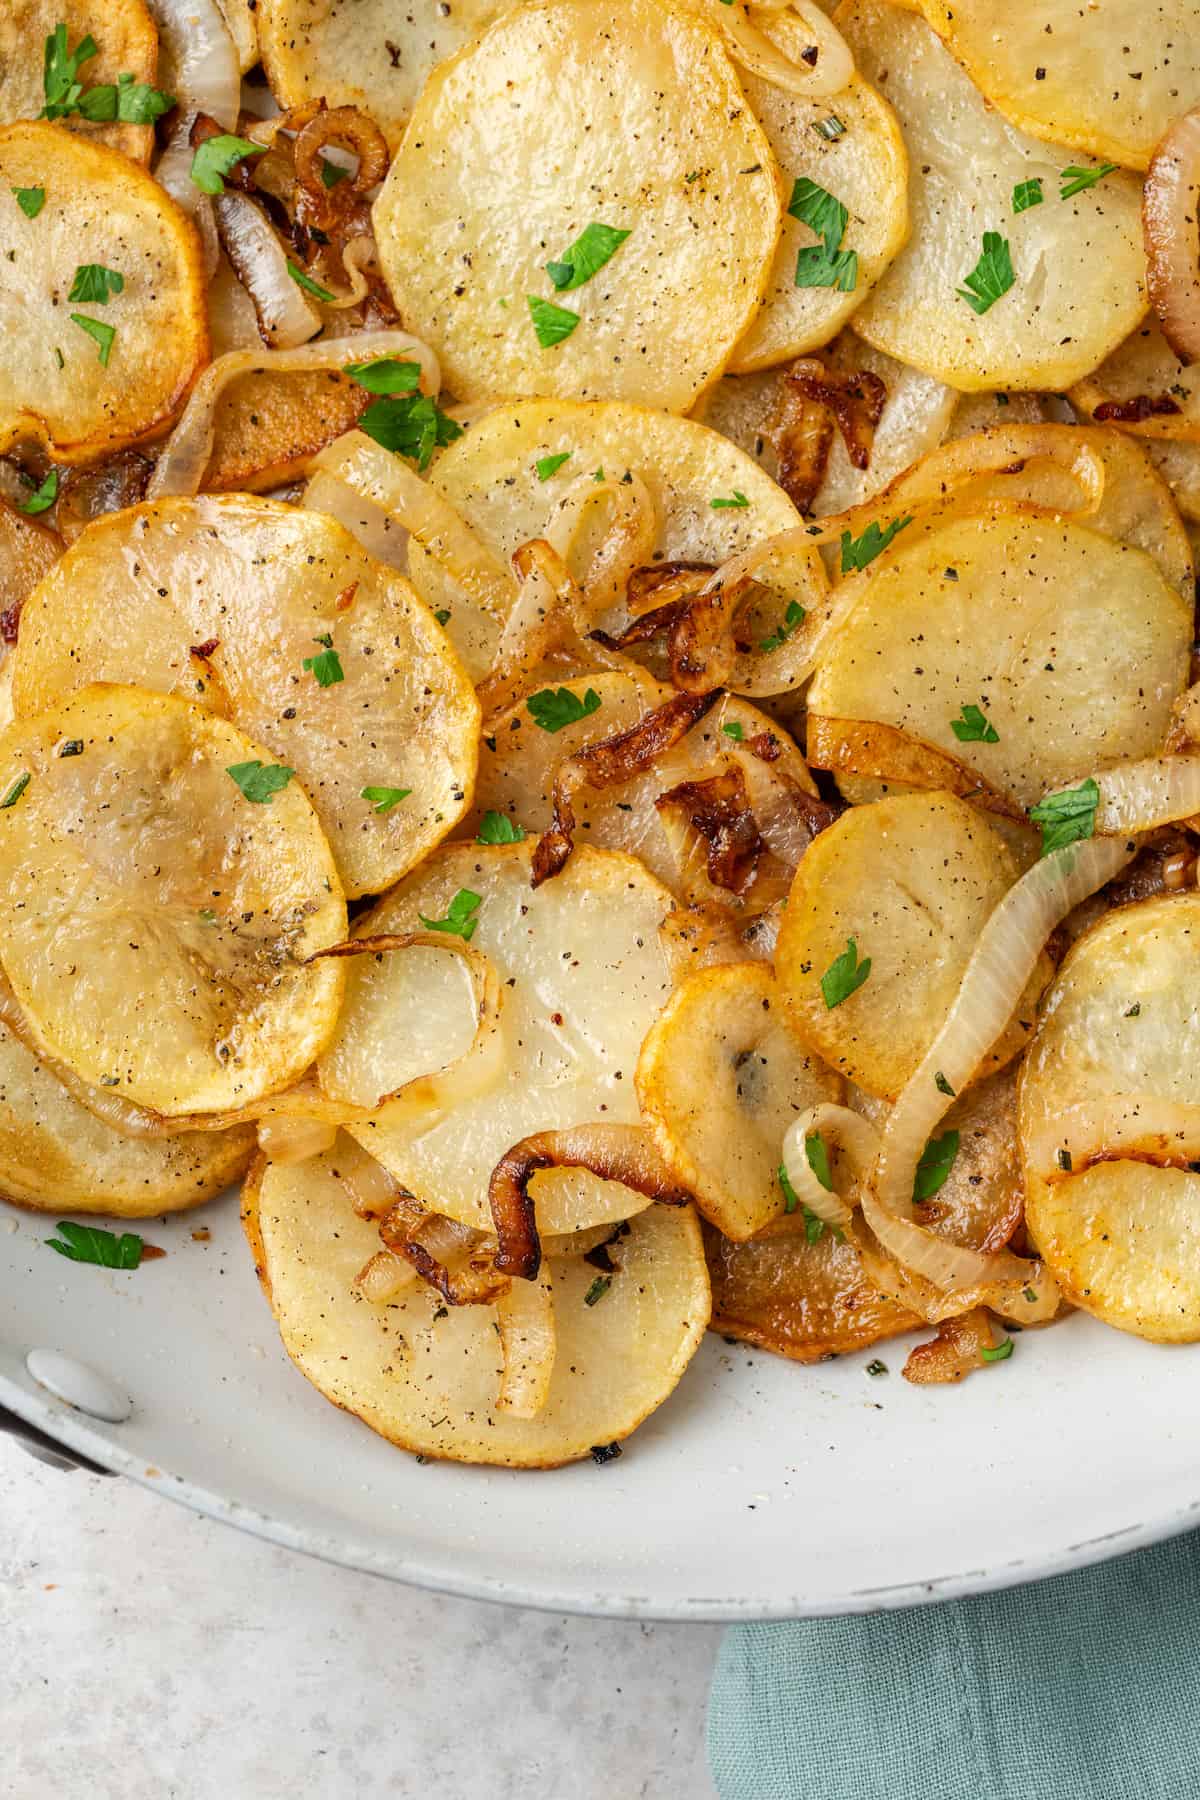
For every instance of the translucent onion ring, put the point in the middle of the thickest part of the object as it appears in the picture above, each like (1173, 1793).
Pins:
(528, 1340)
(286, 316)
(1171, 228)
(628, 544)
(832, 69)
(1132, 1127)
(208, 79)
(854, 1136)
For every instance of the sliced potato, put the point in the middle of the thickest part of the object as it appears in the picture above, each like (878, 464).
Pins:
(866, 169)
(1144, 388)
(911, 880)
(1037, 623)
(560, 116)
(1078, 265)
(722, 1075)
(257, 586)
(269, 426)
(519, 760)
(55, 1156)
(427, 1377)
(1107, 79)
(154, 922)
(1179, 465)
(27, 552)
(583, 979)
(365, 53)
(126, 41)
(83, 408)
(490, 478)
(804, 1301)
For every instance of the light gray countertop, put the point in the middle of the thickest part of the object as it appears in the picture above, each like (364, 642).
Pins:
(149, 1654)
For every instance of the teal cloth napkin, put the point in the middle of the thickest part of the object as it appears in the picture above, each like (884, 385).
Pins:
(1083, 1687)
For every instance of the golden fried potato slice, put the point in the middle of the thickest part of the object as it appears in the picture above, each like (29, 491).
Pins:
(1144, 388)
(126, 41)
(1078, 266)
(427, 1377)
(490, 477)
(910, 882)
(518, 760)
(583, 978)
(866, 169)
(1033, 622)
(806, 1301)
(1179, 465)
(613, 111)
(1106, 79)
(28, 551)
(722, 1075)
(88, 390)
(155, 921)
(56, 1156)
(370, 54)
(241, 18)
(225, 599)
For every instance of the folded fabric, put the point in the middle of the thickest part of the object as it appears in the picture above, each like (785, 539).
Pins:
(1083, 1687)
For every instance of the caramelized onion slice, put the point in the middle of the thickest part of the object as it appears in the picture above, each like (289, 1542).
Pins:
(286, 316)
(181, 466)
(836, 1126)
(1171, 227)
(404, 1231)
(628, 543)
(956, 1350)
(525, 1317)
(831, 67)
(623, 1153)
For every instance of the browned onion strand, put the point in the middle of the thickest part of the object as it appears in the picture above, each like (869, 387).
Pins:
(476, 1283)
(621, 1153)
(286, 316)
(1171, 227)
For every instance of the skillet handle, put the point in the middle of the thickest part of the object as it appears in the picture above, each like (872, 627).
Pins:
(46, 1449)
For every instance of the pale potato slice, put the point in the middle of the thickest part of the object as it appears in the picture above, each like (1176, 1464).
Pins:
(1079, 266)
(223, 599)
(583, 978)
(427, 1377)
(1179, 465)
(1144, 388)
(1123, 1242)
(561, 116)
(155, 923)
(126, 41)
(911, 880)
(1107, 78)
(722, 1075)
(28, 550)
(490, 478)
(518, 761)
(806, 1301)
(365, 53)
(1037, 623)
(55, 1156)
(98, 208)
(866, 169)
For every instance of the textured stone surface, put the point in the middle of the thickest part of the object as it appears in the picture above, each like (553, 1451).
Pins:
(149, 1654)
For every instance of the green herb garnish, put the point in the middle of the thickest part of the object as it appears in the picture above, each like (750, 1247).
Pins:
(1075, 179)
(991, 277)
(95, 285)
(332, 173)
(997, 1352)
(1067, 817)
(844, 976)
(942, 1085)
(554, 708)
(384, 798)
(260, 781)
(30, 200)
(597, 1290)
(817, 1152)
(386, 375)
(820, 210)
(739, 500)
(974, 727)
(831, 129)
(101, 334)
(92, 1244)
(937, 1160)
(411, 425)
(733, 730)
(498, 828)
(306, 282)
(44, 497)
(460, 920)
(593, 247)
(794, 616)
(547, 466)
(217, 157)
(326, 666)
(857, 552)
(1027, 194)
(551, 323)
(15, 791)
(791, 1198)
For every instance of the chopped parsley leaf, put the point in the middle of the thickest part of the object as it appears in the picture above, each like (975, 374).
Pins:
(332, 173)
(551, 323)
(593, 247)
(937, 1160)
(1067, 817)
(546, 466)
(411, 425)
(386, 375)
(739, 500)
(1027, 194)
(817, 1152)
(95, 285)
(101, 334)
(498, 828)
(1075, 180)
(326, 666)
(384, 798)
(794, 616)
(442, 615)
(92, 1244)
(819, 267)
(974, 727)
(215, 158)
(831, 129)
(130, 102)
(30, 200)
(460, 920)
(260, 781)
(814, 1227)
(820, 210)
(15, 791)
(45, 496)
(597, 1290)
(991, 277)
(554, 708)
(998, 1352)
(60, 72)
(306, 282)
(942, 1085)
(844, 976)
(733, 730)
(857, 552)
(791, 1198)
